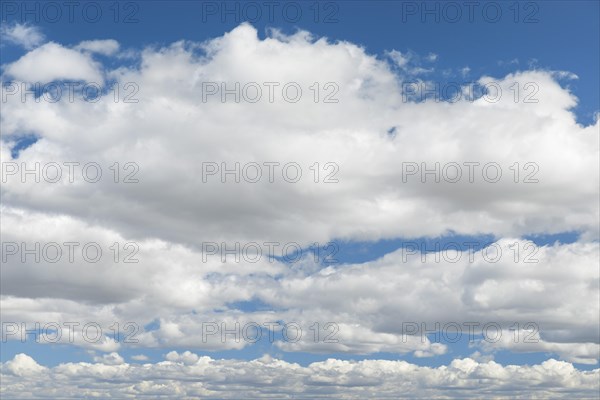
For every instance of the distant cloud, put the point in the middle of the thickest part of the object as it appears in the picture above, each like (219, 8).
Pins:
(410, 62)
(105, 47)
(514, 61)
(431, 57)
(23, 35)
(189, 376)
(400, 59)
(110, 359)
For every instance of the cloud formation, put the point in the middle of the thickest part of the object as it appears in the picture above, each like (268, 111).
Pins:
(171, 132)
(485, 286)
(52, 62)
(185, 376)
(388, 167)
(27, 36)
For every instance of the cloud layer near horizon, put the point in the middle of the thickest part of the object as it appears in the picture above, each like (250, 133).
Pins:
(187, 375)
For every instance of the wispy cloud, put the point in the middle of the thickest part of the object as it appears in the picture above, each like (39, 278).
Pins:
(27, 36)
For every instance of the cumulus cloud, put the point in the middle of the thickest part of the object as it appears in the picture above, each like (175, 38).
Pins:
(23, 365)
(187, 358)
(270, 377)
(53, 61)
(109, 359)
(24, 35)
(171, 122)
(370, 134)
(446, 286)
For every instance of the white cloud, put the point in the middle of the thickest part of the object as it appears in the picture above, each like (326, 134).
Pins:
(24, 35)
(584, 353)
(109, 359)
(561, 301)
(410, 63)
(400, 59)
(106, 47)
(23, 365)
(187, 358)
(54, 62)
(351, 133)
(171, 212)
(270, 377)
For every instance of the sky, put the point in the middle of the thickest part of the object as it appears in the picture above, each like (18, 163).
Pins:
(402, 195)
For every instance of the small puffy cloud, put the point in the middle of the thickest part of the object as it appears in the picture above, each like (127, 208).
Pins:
(23, 365)
(435, 349)
(187, 357)
(140, 357)
(52, 62)
(24, 35)
(110, 359)
(105, 47)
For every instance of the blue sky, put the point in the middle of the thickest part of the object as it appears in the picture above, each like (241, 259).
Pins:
(557, 36)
